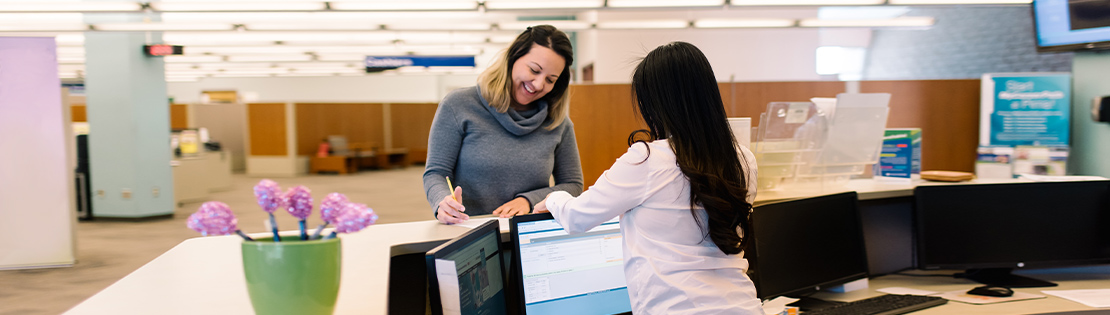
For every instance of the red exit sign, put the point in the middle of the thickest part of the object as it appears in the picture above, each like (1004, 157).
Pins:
(163, 50)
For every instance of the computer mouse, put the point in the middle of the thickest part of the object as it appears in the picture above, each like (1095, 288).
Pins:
(991, 291)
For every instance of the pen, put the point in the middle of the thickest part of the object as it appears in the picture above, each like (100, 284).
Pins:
(452, 188)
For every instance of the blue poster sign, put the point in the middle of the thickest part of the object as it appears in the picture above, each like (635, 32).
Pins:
(1027, 109)
(393, 62)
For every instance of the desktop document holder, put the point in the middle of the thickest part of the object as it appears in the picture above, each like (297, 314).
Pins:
(804, 145)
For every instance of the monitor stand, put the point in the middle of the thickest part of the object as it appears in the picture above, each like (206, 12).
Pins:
(806, 303)
(1004, 277)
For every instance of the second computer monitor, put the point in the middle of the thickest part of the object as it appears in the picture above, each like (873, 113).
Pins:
(993, 229)
(801, 246)
(559, 273)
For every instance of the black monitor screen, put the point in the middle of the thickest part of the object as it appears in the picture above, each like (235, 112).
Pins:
(1063, 25)
(465, 274)
(801, 246)
(1012, 225)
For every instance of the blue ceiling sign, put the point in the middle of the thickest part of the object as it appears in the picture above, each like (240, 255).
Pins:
(380, 63)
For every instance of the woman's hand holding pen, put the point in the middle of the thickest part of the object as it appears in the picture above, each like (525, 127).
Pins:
(451, 209)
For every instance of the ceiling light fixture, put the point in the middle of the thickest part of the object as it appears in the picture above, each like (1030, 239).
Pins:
(221, 6)
(155, 27)
(540, 5)
(649, 24)
(663, 3)
(804, 2)
(70, 6)
(408, 5)
(562, 25)
(895, 22)
(743, 23)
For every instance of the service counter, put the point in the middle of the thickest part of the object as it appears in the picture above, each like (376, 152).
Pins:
(204, 275)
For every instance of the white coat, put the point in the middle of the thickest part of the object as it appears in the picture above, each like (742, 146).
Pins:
(669, 264)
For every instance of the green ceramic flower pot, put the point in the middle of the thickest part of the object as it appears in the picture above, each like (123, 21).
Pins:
(292, 276)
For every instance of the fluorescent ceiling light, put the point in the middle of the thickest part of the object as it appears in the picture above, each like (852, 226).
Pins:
(217, 6)
(502, 39)
(144, 27)
(268, 58)
(663, 3)
(240, 75)
(42, 18)
(354, 65)
(71, 50)
(449, 26)
(742, 23)
(652, 24)
(187, 59)
(534, 4)
(441, 38)
(70, 6)
(305, 74)
(804, 2)
(408, 5)
(562, 25)
(182, 79)
(72, 39)
(71, 59)
(321, 26)
(247, 38)
(43, 27)
(895, 22)
(326, 70)
(912, 2)
(341, 57)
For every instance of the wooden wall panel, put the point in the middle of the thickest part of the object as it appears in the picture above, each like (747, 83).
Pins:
(78, 113)
(603, 118)
(267, 129)
(410, 124)
(360, 122)
(749, 99)
(603, 114)
(179, 116)
(947, 111)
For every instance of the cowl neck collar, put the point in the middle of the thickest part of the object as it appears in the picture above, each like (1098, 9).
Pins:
(514, 122)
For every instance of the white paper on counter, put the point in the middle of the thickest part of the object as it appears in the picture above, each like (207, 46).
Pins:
(901, 290)
(1092, 298)
(475, 222)
(776, 305)
(448, 279)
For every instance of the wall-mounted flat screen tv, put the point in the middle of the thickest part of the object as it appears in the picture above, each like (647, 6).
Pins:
(1068, 25)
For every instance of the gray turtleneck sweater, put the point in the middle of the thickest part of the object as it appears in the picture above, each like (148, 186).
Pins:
(496, 157)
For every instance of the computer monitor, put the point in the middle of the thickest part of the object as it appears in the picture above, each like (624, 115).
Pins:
(558, 273)
(992, 229)
(804, 245)
(465, 274)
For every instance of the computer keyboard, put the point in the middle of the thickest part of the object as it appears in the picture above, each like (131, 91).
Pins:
(890, 304)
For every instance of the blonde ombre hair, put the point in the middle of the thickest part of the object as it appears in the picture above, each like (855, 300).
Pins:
(497, 84)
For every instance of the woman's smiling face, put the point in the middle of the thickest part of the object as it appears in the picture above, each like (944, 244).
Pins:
(535, 73)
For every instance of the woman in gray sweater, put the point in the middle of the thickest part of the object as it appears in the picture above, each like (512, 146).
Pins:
(506, 137)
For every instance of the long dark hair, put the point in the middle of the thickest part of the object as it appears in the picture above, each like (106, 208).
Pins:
(679, 100)
(497, 82)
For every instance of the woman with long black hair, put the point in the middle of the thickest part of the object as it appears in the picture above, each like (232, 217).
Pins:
(684, 194)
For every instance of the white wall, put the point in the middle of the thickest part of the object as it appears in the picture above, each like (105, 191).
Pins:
(409, 88)
(749, 55)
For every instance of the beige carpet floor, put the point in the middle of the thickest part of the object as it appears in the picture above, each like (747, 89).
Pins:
(109, 250)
